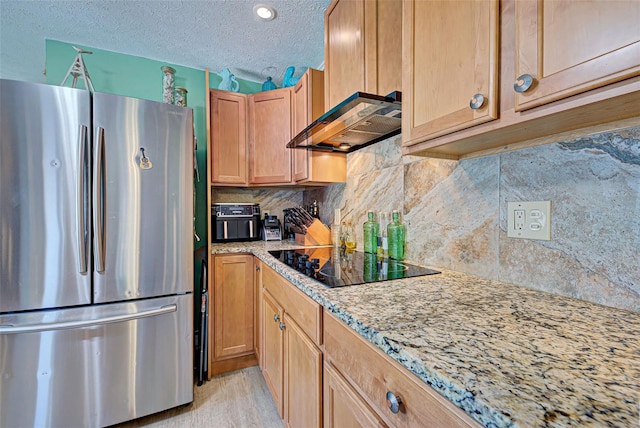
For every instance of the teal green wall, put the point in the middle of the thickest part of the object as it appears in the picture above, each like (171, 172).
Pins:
(132, 76)
(138, 77)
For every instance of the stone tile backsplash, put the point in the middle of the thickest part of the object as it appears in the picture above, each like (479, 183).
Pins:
(455, 212)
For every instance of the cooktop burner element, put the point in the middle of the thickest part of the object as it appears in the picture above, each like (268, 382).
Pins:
(334, 267)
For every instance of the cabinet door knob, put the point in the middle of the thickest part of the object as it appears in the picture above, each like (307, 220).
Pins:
(523, 83)
(281, 326)
(393, 401)
(257, 268)
(476, 102)
(276, 318)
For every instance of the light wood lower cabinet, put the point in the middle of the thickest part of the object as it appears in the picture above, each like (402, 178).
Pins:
(373, 374)
(343, 406)
(291, 359)
(321, 373)
(257, 289)
(231, 341)
(271, 359)
(302, 378)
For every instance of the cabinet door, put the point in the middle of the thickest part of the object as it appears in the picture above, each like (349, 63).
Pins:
(302, 379)
(257, 287)
(228, 138)
(344, 50)
(570, 46)
(363, 40)
(311, 167)
(269, 133)
(343, 406)
(451, 54)
(301, 119)
(233, 301)
(272, 348)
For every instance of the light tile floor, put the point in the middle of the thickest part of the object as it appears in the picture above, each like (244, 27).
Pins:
(232, 400)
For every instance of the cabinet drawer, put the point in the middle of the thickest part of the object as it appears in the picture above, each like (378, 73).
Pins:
(373, 374)
(306, 312)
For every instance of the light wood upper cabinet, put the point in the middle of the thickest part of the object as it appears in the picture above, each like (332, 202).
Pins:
(313, 167)
(583, 55)
(363, 40)
(248, 135)
(570, 46)
(232, 313)
(269, 133)
(228, 116)
(450, 54)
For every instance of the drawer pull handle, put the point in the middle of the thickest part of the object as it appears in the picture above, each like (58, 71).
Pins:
(394, 402)
(276, 318)
(523, 83)
(476, 102)
(281, 326)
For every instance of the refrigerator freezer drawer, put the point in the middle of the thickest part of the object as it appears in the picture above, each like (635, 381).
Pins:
(96, 366)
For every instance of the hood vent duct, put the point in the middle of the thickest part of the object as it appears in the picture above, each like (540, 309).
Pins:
(357, 122)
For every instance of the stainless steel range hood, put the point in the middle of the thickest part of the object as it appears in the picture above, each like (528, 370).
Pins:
(357, 122)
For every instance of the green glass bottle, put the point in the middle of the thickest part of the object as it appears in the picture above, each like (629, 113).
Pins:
(396, 233)
(383, 242)
(370, 269)
(371, 233)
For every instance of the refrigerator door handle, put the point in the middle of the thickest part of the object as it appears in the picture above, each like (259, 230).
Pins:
(65, 325)
(98, 200)
(82, 199)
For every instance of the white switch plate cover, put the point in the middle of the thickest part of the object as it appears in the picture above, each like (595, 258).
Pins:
(529, 220)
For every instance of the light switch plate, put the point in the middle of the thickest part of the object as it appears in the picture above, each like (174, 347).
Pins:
(529, 220)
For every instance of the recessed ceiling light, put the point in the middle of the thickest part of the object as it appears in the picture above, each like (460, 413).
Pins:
(264, 12)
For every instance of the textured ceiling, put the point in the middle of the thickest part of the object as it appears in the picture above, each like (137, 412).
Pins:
(216, 34)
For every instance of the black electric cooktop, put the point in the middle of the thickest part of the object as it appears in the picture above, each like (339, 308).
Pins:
(334, 267)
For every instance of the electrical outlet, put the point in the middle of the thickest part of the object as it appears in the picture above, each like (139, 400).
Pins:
(529, 220)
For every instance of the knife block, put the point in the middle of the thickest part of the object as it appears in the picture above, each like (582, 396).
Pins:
(317, 234)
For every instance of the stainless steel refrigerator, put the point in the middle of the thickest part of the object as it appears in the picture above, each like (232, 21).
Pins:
(96, 257)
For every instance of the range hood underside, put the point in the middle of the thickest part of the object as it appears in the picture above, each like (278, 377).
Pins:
(359, 121)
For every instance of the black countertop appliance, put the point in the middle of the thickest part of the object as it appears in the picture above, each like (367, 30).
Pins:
(334, 267)
(271, 228)
(235, 222)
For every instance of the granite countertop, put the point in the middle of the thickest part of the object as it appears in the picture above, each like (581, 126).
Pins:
(507, 355)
